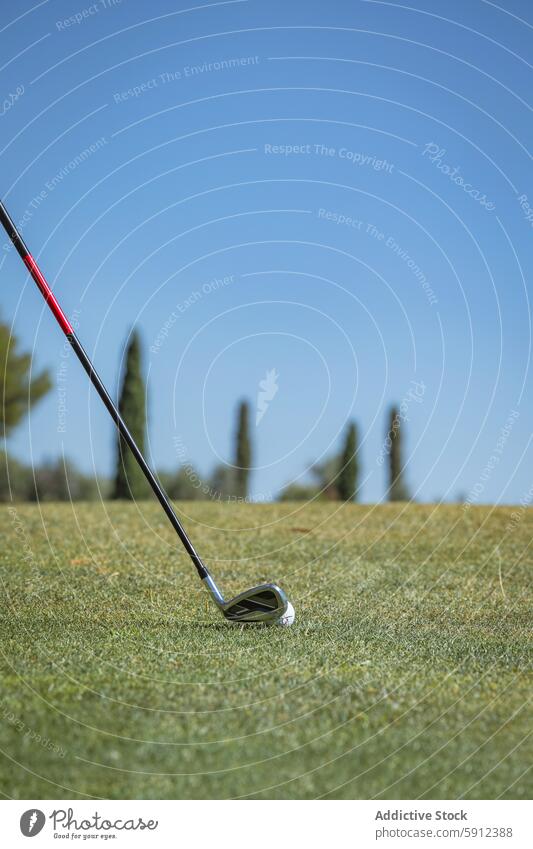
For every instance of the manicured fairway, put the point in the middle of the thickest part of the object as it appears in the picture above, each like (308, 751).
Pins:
(406, 675)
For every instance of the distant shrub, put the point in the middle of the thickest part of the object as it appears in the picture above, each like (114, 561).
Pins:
(54, 480)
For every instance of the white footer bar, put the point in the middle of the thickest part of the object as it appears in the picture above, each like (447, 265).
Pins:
(262, 824)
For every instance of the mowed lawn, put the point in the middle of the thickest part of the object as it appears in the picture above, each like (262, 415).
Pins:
(407, 674)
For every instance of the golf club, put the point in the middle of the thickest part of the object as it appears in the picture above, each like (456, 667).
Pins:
(266, 603)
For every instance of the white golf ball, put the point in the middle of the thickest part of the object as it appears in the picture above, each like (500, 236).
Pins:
(288, 617)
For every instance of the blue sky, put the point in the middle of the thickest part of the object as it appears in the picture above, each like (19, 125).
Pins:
(337, 192)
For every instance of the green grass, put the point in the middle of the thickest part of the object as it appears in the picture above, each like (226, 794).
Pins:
(405, 676)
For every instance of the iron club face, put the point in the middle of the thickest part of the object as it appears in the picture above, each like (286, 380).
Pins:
(266, 603)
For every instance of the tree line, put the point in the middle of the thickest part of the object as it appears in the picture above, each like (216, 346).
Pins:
(337, 478)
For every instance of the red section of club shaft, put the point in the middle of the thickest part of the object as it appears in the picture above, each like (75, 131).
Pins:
(47, 293)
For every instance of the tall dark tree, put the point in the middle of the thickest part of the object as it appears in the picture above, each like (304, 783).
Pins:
(349, 466)
(129, 479)
(243, 450)
(397, 489)
(17, 391)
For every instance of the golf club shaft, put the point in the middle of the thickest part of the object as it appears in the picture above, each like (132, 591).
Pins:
(77, 347)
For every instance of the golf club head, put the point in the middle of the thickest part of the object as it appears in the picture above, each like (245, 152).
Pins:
(265, 603)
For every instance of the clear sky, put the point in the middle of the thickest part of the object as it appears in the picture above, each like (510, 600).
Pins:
(335, 191)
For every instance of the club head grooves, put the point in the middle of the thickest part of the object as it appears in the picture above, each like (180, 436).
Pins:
(265, 603)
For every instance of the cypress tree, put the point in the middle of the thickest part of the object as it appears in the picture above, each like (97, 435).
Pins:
(349, 466)
(129, 479)
(397, 490)
(243, 450)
